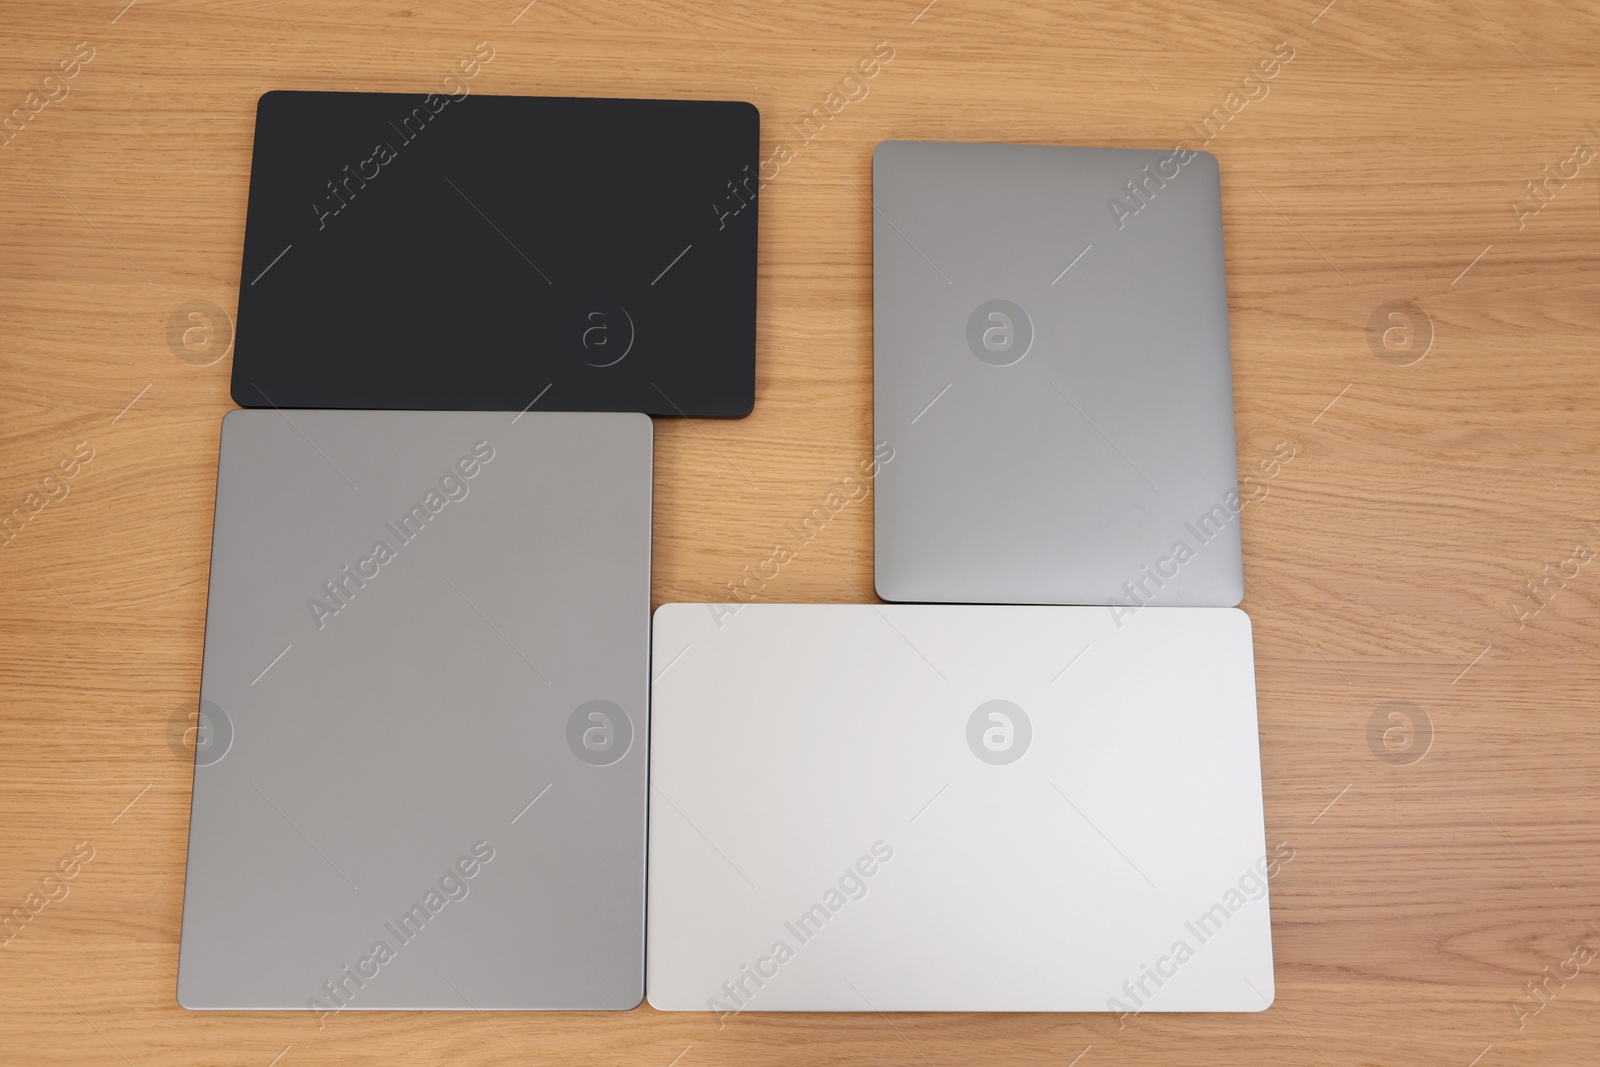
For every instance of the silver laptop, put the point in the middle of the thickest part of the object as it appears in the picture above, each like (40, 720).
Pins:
(420, 772)
(1051, 369)
(956, 808)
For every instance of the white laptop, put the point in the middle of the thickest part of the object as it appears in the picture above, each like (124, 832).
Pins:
(870, 807)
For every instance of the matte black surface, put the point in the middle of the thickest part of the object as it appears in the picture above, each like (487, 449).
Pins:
(488, 252)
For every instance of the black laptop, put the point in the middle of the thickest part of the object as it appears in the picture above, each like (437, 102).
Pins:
(502, 253)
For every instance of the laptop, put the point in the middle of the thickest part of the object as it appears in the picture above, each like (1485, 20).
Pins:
(454, 250)
(956, 808)
(420, 770)
(1051, 368)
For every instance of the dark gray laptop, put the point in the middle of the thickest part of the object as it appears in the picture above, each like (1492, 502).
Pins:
(421, 770)
(1051, 369)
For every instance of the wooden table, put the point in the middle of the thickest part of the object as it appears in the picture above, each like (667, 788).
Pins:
(1410, 322)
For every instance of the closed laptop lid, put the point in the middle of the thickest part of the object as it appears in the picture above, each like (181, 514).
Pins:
(1051, 368)
(420, 773)
(456, 250)
(956, 808)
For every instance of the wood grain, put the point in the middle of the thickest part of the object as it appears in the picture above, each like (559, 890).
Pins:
(1389, 560)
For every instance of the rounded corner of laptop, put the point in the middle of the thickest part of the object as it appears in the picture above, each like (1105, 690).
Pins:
(889, 587)
(186, 999)
(745, 403)
(748, 110)
(236, 389)
(1268, 996)
(674, 615)
(272, 98)
(631, 998)
(641, 423)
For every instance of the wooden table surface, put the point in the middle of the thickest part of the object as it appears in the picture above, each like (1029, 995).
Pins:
(1413, 324)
